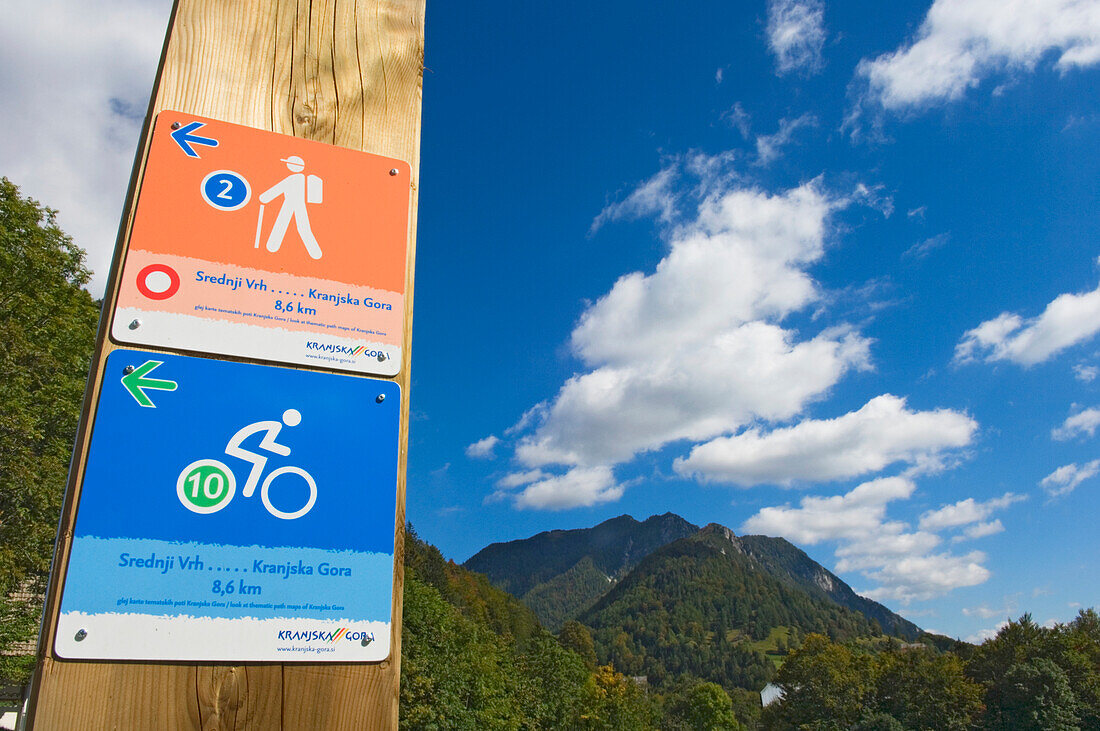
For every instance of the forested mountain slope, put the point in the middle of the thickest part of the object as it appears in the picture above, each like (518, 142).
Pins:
(559, 573)
(791, 565)
(702, 606)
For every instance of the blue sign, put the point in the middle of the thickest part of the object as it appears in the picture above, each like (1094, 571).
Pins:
(226, 190)
(245, 514)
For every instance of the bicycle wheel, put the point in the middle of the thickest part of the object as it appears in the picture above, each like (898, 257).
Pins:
(265, 488)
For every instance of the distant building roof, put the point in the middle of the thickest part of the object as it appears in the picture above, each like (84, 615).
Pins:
(770, 694)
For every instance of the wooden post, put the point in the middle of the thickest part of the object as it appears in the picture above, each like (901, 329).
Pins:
(345, 72)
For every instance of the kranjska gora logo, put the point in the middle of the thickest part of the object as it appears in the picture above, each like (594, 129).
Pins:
(294, 635)
(357, 351)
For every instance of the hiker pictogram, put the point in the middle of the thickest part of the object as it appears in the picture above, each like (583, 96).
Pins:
(298, 190)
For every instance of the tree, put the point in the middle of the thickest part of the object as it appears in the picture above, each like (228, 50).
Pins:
(454, 672)
(576, 637)
(700, 707)
(824, 685)
(47, 327)
(1032, 696)
(619, 703)
(924, 691)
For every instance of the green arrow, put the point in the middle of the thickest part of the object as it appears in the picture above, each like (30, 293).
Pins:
(136, 383)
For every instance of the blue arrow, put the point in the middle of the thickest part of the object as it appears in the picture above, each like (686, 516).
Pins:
(185, 139)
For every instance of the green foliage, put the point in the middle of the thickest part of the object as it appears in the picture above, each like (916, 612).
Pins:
(47, 327)
(576, 637)
(454, 672)
(474, 658)
(619, 703)
(1032, 696)
(698, 607)
(791, 565)
(472, 593)
(924, 691)
(878, 722)
(824, 685)
(1027, 677)
(567, 594)
(699, 706)
(1023, 669)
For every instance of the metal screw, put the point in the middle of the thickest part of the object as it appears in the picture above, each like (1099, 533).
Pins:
(381, 398)
(80, 635)
(366, 640)
(176, 125)
(135, 324)
(381, 357)
(127, 370)
(393, 171)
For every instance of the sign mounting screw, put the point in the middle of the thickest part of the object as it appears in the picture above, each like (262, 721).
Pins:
(381, 398)
(135, 324)
(127, 370)
(381, 357)
(176, 125)
(393, 171)
(80, 635)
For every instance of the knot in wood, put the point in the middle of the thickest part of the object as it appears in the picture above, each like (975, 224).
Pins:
(304, 116)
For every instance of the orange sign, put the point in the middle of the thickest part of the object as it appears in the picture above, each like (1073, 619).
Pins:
(255, 244)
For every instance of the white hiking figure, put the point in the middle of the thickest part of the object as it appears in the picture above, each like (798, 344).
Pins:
(291, 417)
(297, 190)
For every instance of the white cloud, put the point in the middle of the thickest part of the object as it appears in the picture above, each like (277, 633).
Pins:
(82, 73)
(883, 544)
(483, 448)
(768, 147)
(1083, 422)
(879, 434)
(980, 530)
(796, 35)
(698, 349)
(1085, 373)
(966, 511)
(986, 612)
(515, 479)
(917, 578)
(923, 248)
(874, 197)
(739, 119)
(695, 349)
(986, 634)
(850, 516)
(579, 487)
(902, 562)
(1068, 320)
(962, 42)
(1066, 478)
(654, 196)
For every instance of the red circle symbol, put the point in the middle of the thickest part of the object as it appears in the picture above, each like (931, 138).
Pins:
(153, 286)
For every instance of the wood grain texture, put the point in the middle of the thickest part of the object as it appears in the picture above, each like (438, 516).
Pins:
(345, 72)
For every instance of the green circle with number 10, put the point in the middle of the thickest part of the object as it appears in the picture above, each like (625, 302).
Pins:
(206, 486)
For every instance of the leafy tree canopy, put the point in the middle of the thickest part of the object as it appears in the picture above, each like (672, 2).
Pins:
(47, 327)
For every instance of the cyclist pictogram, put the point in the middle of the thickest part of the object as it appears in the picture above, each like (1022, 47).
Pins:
(207, 485)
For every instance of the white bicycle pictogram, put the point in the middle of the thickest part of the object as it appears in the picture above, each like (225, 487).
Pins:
(207, 485)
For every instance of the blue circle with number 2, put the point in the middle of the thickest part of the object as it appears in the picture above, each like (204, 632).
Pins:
(226, 190)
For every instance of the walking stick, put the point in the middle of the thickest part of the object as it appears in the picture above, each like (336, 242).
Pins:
(259, 227)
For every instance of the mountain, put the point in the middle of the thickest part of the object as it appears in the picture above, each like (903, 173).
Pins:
(558, 573)
(792, 566)
(708, 607)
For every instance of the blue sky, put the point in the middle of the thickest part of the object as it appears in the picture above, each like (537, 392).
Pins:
(821, 270)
